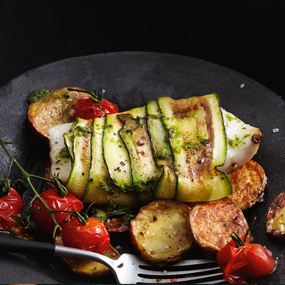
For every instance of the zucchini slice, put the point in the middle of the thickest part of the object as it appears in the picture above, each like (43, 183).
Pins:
(69, 141)
(145, 172)
(166, 187)
(78, 177)
(100, 188)
(198, 142)
(115, 153)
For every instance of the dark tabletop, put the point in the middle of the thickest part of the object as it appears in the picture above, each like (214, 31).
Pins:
(246, 36)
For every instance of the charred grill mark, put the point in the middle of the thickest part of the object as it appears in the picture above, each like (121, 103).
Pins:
(179, 112)
(203, 158)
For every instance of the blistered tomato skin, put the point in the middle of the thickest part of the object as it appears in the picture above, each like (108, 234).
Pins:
(87, 109)
(43, 219)
(10, 205)
(248, 261)
(92, 237)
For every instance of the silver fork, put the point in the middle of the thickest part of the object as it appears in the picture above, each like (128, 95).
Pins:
(128, 268)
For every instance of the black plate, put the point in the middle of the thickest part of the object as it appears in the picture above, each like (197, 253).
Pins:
(130, 80)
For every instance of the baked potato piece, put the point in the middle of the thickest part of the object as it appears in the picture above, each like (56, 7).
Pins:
(55, 109)
(161, 232)
(275, 221)
(88, 267)
(248, 184)
(213, 223)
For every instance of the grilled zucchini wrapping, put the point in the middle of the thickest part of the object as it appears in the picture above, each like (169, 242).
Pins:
(134, 162)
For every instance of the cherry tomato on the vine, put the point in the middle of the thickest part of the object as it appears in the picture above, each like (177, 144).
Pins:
(10, 205)
(87, 109)
(43, 219)
(250, 260)
(92, 236)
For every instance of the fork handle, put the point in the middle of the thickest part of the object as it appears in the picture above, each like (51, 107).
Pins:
(19, 245)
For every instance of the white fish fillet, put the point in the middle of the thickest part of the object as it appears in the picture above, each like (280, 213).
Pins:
(240, 147)
(60, 167)
(240, 143)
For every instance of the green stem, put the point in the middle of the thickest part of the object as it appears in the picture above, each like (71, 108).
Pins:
(27, 177)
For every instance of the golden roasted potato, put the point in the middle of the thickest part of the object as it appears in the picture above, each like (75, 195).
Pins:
(55, 109)
(161, 232)
(248, 183)
(88, 267)
(275, 221)
(213, 223)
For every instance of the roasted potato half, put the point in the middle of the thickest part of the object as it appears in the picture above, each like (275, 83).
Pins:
(248, 184)
(213, 223)
(88, 267)
(275, 221)
(161, 232)
(55, 109)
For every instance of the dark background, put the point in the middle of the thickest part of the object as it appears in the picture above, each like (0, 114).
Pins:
(246, 36)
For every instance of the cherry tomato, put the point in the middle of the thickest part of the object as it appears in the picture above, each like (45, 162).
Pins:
(10, 205)
(87, 109)
(250, 260)
(43, 219)
(93, 236)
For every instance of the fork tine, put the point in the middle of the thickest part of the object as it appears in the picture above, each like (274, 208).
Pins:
(177, 279)
(165, 272)
(198, 270)
(190, 262)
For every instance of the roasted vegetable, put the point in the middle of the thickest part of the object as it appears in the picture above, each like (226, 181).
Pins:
(161, 232)
(56, 108)
(240, 259)
(275, 221)
(213, 223)
(88, 267)
(198, 142)
(248, 183)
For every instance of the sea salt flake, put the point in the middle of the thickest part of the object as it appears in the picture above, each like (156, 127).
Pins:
(276, 130)
(242, 85)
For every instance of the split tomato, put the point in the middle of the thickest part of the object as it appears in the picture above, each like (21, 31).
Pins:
(92, 236)
(249, 260)
(56, 203)
(88, 109)
(10, 205)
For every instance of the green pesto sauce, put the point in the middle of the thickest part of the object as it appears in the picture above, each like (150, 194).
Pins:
(145, 187)
(174, 133)
(237, 142)
(83, 131)
(193, 145)
(203, 141)
(162, 154)
(109, 127)
(230, 118)
(64, 153)
(37, 95)
(107, 188)
(140, 120)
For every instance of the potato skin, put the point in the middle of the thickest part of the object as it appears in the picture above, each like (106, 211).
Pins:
(161, 232)
(88, 267)
(55, 109)
(275, 220)
(212, 224)
(248, 184)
